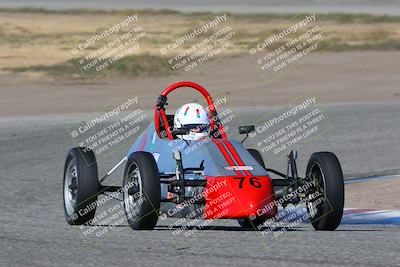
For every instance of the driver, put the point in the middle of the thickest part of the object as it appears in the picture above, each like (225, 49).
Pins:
(195, 118)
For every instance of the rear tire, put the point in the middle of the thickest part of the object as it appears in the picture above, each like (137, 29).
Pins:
(326, 212)
(142, 191)
(81, 186)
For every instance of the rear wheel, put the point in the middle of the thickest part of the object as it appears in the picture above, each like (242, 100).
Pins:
(325, 201)
(81, 186)
(142, 191)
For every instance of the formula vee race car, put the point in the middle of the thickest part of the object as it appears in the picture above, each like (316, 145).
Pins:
(163, 169)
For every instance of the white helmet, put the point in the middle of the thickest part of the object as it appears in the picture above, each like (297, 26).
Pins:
(194, 117)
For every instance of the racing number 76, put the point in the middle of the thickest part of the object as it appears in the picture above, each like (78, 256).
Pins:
(254, 182)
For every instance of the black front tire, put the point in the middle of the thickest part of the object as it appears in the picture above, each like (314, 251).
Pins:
(142, 191)
(324, 169)
(81, 186)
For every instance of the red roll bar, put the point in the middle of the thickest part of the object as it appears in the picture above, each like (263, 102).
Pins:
(159, 111)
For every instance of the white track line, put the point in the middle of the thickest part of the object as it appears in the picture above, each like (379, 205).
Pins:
(369, 179)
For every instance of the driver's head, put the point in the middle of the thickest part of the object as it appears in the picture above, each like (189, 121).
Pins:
(195, 117)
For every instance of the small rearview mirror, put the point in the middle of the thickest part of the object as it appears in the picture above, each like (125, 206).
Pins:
(245, 129)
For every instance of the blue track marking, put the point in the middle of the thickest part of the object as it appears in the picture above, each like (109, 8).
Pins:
(350, 216)
(360, 216)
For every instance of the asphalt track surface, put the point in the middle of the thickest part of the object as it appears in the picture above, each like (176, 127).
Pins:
(33, 231)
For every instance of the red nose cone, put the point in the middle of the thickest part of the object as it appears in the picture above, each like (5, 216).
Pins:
(239, 197)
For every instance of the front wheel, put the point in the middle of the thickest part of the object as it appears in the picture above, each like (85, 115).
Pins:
(325, 200)
(81, 186)
(142, 191)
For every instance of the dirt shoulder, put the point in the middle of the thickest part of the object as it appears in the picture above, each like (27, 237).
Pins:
(373, 195)
(333, 77)
(32, 38)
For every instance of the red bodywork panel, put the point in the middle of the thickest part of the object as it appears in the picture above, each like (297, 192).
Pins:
(231, 197)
